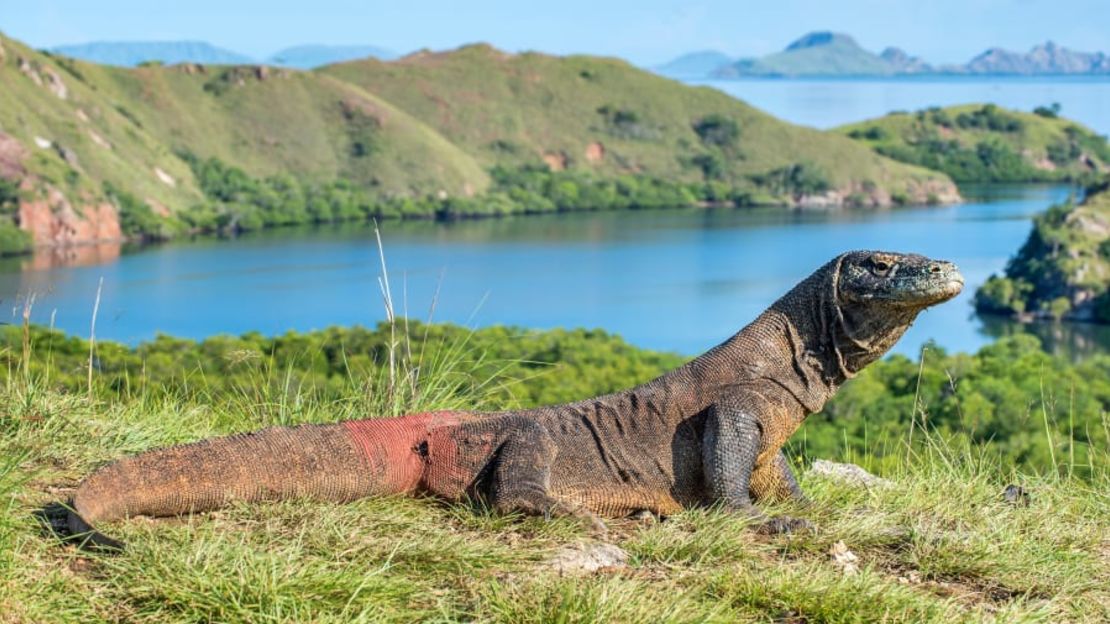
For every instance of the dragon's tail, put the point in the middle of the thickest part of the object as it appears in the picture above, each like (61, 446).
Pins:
(340, 462)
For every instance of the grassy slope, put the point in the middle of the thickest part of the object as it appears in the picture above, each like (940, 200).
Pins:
(291, 122)
(513, 109)
(28, 110)
(938, 546)
(912, 134)
(430, 122)
(294, 122)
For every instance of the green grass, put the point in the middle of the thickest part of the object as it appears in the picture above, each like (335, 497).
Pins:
(940, 545)
(987, 143)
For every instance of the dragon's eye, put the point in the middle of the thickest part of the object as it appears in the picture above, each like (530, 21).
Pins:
(880, 266)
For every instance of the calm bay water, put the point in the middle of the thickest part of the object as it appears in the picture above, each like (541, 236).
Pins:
(678, 280)
(825, 103)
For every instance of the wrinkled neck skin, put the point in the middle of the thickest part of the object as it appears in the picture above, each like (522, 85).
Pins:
(808, 342)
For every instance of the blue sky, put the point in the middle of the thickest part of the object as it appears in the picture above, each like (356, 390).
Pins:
(644, 31)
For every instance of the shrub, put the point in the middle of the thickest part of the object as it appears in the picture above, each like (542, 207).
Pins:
(718, 130)
(794, 180)
(871, 133)
(1048, 112)
(9, 197)
(1002, 295)
(13, 241)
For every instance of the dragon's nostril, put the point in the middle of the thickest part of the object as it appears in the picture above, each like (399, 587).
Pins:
(935, 268)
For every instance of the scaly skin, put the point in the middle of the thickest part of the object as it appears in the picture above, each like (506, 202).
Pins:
(709, 432)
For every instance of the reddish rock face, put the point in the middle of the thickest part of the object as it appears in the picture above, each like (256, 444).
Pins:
(595, 152)
(53, 221)
(557, 161)
(47, 214)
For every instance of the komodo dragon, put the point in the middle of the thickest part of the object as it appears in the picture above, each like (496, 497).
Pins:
(709, 432)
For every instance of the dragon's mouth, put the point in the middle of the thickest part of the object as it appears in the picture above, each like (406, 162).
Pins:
(942, 291)
(933, 292)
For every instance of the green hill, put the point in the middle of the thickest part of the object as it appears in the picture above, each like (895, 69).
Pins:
(1063, 269)
(603, 115)
(91, 152)
(986, 143)
(69, 129)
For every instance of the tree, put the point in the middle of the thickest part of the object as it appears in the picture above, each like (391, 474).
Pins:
(1049, 112)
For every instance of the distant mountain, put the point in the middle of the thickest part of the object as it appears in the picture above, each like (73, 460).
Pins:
(1047, 58)
(695, 64)
(132, 53)
(815, 54)
(903, 63)
(313, 56)
(825, 53)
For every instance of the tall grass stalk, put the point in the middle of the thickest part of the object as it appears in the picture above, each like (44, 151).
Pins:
(92, 336)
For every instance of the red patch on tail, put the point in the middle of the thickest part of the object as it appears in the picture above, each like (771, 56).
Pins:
(396, 448)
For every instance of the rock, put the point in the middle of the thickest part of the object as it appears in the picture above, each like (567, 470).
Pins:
(844, 559)
(67, 155)
(595, 152)
(1016, 495)
(52, 220)
(587, 558)
(28, 70)
(556, 161)
(55, 84)
(99, 140)
(847, 473)
(165, 178)
(911, 577)
(43, 143)
(933, 191)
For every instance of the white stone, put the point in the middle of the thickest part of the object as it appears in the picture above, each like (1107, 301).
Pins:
(588, 558)
(847, 473)
(166, 178)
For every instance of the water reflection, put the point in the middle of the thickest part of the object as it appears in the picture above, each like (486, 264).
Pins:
(1074, 341)
(46, 258)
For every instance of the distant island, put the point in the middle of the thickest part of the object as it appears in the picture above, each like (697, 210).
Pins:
(135, 53)
(826, 53)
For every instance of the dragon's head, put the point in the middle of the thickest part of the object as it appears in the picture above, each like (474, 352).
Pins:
(877, 295)
(886, 280)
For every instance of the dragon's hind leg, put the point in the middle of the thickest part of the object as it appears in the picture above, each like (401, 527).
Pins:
(521, 477)
(774, 481)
